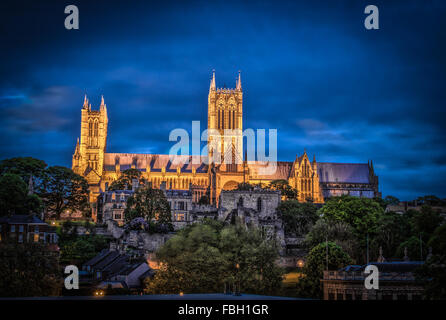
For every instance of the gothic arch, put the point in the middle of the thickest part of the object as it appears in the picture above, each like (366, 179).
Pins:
(230, 185)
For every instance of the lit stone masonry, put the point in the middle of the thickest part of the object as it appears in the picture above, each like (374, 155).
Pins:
(313, 180)
(257, 208)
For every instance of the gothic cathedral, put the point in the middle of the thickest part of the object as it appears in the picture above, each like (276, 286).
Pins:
(313, 180)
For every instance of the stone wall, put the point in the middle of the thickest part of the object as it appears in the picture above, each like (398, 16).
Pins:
(270, 200)
(136, 239)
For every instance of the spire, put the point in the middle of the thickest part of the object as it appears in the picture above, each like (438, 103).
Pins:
(102, 106)
(77, 146)
(314, 157)
(85, 102)
(212, 86)
(239, 82)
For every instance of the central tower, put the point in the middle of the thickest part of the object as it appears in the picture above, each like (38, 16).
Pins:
(225, 125)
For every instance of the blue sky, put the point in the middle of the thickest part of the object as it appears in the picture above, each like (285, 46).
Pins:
(309, 69)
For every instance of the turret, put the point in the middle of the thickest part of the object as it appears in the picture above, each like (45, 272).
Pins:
(85, 105)
(212, 85)
(103, 106)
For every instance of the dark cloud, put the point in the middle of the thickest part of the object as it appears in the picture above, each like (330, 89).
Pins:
(309, 69)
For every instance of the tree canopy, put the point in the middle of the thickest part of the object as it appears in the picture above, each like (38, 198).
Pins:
(54, 188)
(433, 273)
(62, 189)
(309, 285)
(297, 217)
(361, 214)
(14, 198)
(285, 189)
(202, 258)
(24, 167)
(124, 182)
(28, 270)
(150, 204)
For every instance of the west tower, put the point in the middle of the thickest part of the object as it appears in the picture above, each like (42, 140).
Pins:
(88, 157)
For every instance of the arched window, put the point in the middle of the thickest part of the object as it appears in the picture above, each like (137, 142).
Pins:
(222, 119)
(259, 204)
(96, 128)
(233, 120)
(90, 132)
(229, 119)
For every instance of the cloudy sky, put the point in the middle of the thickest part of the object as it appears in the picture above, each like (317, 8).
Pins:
(309, 69)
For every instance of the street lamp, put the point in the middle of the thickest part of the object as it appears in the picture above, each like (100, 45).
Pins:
(237, 289)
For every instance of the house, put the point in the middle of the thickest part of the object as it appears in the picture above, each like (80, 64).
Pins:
(111, 268)
(396, 282)
(111, 205)
(27, 228)
(180, 202)
(133, 275)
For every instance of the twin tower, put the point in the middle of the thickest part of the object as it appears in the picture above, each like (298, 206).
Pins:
(225, 125)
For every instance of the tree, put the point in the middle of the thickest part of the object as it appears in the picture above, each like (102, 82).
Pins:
(337, 232)
(28, 270)
(79, 249)
(431, 200)
(393, 229)
(438, 240)
(391, 200)
(298, 218)
(24, 167)
(309, 285)
(425, 221)
(362, 214)
(125, 180)
(150, 204)
(245, 186)
(433, 273)
(416, 249)
(285, 189)
(14, 198)
(202, 258)
(62, 189)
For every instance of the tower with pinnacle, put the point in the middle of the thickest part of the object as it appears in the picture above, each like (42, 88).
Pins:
(225, 124)
(88, 157)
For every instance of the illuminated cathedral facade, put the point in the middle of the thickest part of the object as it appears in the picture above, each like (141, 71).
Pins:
(314, 181)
